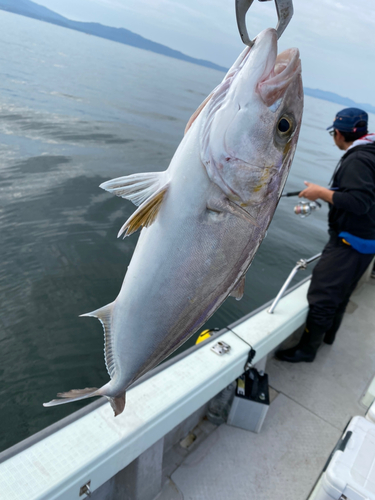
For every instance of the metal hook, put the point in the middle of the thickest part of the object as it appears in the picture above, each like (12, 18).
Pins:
(284, 10)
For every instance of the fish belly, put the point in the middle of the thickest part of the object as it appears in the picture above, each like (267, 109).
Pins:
(183, 268)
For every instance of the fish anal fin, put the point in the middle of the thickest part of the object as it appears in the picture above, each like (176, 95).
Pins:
(118, 403)
(104, 315)
(136, 187)
(146, 214)
(228, 206)
(238, 290)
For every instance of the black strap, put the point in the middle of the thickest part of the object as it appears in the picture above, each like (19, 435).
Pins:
(250, 358)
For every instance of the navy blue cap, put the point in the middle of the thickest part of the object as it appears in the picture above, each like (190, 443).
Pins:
(347, 120)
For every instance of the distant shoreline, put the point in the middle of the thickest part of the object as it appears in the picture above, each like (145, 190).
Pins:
(121, 35)
(338, 99)
(124, 36)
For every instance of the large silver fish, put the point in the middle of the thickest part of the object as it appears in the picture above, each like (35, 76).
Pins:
(204, 217)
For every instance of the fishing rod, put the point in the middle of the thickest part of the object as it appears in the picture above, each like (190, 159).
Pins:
(292, 193)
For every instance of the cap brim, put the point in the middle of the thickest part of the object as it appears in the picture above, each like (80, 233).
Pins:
(330, 127)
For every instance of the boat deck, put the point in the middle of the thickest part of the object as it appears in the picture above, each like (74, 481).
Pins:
(311, 403)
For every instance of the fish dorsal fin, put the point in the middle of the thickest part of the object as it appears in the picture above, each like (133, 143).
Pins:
(238, 290)
(137, 187)
(145, 214)
(104, 315)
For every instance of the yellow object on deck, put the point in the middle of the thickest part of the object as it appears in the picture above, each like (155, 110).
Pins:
(206, 334)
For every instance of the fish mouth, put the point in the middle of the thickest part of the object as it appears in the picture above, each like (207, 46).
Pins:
(270, 73)
(286, 69)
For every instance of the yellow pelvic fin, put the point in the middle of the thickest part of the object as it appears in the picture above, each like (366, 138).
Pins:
(146, 213)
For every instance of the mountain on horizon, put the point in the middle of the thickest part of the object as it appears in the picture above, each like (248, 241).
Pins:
(121, 35)
(332, 97)
(31, 9)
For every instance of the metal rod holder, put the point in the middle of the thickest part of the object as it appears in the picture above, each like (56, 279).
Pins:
(301, 264)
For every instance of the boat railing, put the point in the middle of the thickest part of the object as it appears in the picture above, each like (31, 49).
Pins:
(91, 452)
(300, 265)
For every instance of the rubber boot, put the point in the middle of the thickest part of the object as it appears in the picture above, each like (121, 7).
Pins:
(307, 348)
(330, 335)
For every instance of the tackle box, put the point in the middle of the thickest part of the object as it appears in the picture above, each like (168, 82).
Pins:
(350, 471)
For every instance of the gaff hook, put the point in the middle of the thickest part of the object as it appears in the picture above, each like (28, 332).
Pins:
(284, 10)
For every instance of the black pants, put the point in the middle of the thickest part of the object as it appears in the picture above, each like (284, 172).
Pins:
(333, 281)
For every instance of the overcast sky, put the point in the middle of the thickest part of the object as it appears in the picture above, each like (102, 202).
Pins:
(336, 38)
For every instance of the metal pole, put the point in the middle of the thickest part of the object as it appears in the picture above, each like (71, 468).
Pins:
(283, 288)
(315, 257)
(301, 264)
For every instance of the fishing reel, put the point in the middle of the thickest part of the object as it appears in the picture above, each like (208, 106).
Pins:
(306, 208)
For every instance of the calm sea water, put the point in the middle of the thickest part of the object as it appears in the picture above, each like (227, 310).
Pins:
(76, 110)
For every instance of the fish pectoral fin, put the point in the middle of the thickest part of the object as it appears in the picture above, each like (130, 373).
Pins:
(146, 214)
(136, 187)
(104, 315)
(228, 206)
(238, 290)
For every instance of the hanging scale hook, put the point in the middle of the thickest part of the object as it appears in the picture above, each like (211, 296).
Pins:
(284, 10)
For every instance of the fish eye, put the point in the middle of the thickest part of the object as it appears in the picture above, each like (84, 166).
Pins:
(284, 125)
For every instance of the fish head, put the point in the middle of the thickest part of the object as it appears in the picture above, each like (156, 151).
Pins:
(250, 126)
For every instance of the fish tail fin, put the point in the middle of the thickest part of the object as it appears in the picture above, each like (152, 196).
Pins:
(117, 402)
(74, 395)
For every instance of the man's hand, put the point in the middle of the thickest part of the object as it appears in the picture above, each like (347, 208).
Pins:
(313, 192)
